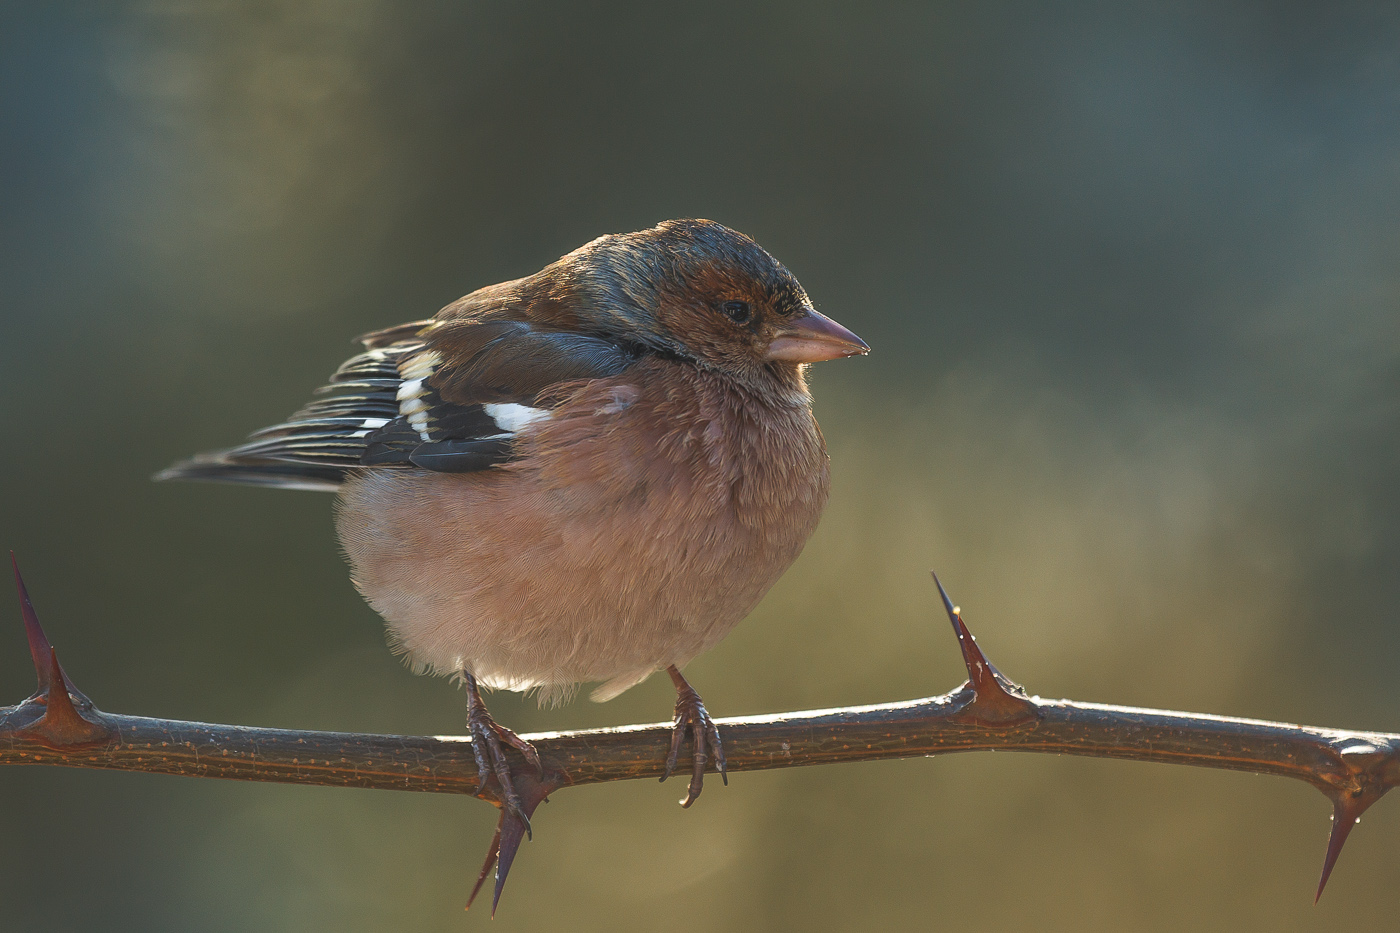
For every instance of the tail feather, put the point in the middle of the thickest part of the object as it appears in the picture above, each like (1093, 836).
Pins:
(220, 468)
(322, 442)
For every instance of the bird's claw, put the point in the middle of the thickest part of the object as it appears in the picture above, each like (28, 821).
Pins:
(487, 738)
(490, 758)
(692, 717)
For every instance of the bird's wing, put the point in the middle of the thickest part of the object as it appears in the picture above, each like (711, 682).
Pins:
(443, 396)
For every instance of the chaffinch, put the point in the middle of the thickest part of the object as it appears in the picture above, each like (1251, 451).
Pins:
(587, 474)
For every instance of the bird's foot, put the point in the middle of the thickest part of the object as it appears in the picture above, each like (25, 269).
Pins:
(692, 717)
(489, 739)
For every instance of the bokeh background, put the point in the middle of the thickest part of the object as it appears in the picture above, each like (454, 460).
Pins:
(1130, 273)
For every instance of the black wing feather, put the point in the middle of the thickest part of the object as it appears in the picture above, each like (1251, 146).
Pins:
(416, 398)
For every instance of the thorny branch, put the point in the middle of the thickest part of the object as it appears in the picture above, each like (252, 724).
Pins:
(63, 727)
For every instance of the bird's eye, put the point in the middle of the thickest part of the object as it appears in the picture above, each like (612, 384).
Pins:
(738, 311)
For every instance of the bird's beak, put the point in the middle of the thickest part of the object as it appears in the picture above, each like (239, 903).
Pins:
(812, 338)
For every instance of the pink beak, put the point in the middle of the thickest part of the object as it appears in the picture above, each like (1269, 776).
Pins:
(813, 338)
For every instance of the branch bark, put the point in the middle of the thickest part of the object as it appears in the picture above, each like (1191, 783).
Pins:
(988, 712)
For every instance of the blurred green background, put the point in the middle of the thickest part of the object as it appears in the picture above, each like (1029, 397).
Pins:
(1130, 275)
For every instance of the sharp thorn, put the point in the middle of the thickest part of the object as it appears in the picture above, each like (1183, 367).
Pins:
(992, 691)
(61, 722)
(979, 670)
(489, 864)
(40, 649)
(1346, 813)
(511, 830)
(512, 833)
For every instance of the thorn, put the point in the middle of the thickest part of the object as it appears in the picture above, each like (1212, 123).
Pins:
(511, 833)
(1346, 813)
(61, 723)
(511, 829)
(989, 685)
(491, 852)
(39, 647)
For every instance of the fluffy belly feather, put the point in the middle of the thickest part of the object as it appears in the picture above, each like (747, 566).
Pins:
(601, 555)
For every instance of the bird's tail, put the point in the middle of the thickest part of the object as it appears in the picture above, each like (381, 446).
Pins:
(227, 467)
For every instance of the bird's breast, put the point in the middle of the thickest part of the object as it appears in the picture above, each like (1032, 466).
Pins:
(639, 523)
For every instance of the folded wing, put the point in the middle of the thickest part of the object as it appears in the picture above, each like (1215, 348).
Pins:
(444, 396)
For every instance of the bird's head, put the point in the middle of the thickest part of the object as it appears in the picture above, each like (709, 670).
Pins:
(699, 290)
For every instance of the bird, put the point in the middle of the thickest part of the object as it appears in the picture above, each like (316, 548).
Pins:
(586, 475)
